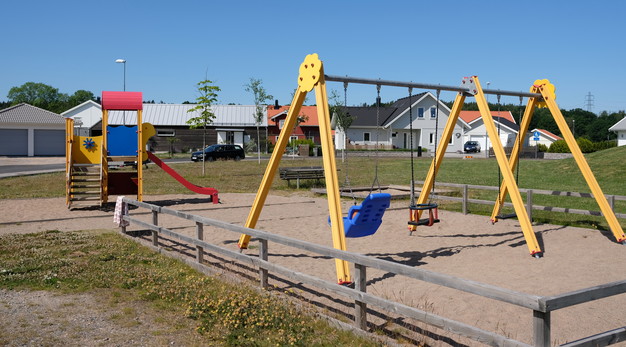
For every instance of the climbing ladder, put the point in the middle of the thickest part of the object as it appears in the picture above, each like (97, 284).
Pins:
(84, 184)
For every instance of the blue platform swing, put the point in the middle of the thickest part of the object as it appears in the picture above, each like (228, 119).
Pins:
(365, 219)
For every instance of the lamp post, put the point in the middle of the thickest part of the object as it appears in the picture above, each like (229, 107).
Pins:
(123, 61)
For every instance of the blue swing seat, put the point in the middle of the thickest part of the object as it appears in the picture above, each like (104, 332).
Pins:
(366, 218)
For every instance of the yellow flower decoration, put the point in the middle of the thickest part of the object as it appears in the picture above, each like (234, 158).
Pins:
(546, 88)
(310, 71)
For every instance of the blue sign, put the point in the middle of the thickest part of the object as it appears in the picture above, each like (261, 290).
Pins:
(536, 136)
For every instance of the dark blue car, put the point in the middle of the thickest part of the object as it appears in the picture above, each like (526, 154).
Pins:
(214, 152)
(471, 146)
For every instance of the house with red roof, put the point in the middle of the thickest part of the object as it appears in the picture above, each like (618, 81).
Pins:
(504, 122)
(545, 137)
(307, 126)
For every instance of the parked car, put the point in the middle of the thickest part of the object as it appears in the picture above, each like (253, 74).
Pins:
(214, 152)
(471, 146)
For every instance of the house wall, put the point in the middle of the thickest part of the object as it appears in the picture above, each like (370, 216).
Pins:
(380, 136)
(89, 114)
(621, 138)
(425, 127)
(192, 139)
(479, 133)
(30, 128)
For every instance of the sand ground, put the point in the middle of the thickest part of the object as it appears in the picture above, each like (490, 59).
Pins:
(466, 246)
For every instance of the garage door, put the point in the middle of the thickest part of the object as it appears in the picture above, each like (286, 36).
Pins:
(49, 142)
(13, 141)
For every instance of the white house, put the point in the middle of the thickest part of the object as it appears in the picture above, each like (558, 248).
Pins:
(85, 116)
(26, 130)
(545, 137)
(393, 129)
(620, 129)
(504, 122)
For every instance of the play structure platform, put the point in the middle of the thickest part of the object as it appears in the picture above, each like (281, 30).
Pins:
(88, 170)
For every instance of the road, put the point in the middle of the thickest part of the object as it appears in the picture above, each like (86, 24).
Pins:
(10, 167)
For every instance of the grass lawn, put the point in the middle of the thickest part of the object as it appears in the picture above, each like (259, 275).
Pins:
(245, 177)
(222, 313)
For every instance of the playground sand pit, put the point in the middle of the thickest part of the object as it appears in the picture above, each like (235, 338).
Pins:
(466, 246)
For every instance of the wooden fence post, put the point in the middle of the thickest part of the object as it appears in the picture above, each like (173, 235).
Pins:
(465, 197)
(541, 328)
(199, 236)
(155, 234)
(263, 252)
(529, 204)
(360, 308)
(612, 202)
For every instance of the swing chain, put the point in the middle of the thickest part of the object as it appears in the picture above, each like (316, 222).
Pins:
(411, 145)
(438, 93)
(376, 181)
(347, 176)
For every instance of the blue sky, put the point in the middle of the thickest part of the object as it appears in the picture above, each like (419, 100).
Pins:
(170, 46)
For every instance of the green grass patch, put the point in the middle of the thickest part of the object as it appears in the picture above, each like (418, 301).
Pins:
(245, 177)
(226, 314)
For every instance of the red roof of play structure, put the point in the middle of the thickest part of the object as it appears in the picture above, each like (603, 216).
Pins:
(122, 101)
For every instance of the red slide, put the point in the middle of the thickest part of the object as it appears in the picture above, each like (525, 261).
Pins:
(194, 188)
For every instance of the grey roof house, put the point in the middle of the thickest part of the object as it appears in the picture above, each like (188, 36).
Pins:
(390, 127)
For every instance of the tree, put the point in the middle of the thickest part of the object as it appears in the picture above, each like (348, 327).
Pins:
(171, 140)
(207, 97)
(260, 97)
(47, 97)
(341, 118)
(37, 94)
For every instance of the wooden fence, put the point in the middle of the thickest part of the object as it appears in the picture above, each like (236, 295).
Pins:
(540, 306)
(530, 206)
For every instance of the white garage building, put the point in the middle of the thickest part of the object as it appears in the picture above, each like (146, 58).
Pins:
(26, 130)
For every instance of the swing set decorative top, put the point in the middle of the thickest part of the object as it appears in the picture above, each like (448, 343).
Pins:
(541, 94)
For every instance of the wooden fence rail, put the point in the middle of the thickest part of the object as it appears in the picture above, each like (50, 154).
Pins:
(540, 306)
(465, 199)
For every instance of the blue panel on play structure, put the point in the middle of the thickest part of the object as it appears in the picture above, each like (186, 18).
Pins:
(122, 140)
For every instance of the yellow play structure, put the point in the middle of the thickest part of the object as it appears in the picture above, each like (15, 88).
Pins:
(542, 94)
(90, 181)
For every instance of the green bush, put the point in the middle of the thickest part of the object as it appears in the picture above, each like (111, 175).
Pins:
(296, 143)
(586, 146)
(542, 148)
(602, 145)
(559, 146)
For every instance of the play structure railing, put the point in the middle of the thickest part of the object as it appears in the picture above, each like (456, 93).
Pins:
(530, 206)
(540, 306)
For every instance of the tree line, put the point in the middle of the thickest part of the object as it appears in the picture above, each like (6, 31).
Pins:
(47, 97)
(583, 123)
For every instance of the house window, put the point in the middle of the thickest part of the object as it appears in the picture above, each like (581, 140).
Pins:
(366, 137)
(276, 138)
(293, 138)
(166, 132)
(312, 138)
(433, 112)
(281, 123)
(420, 112)
(431, 138)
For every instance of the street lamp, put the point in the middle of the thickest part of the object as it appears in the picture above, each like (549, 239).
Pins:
(123, 61)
